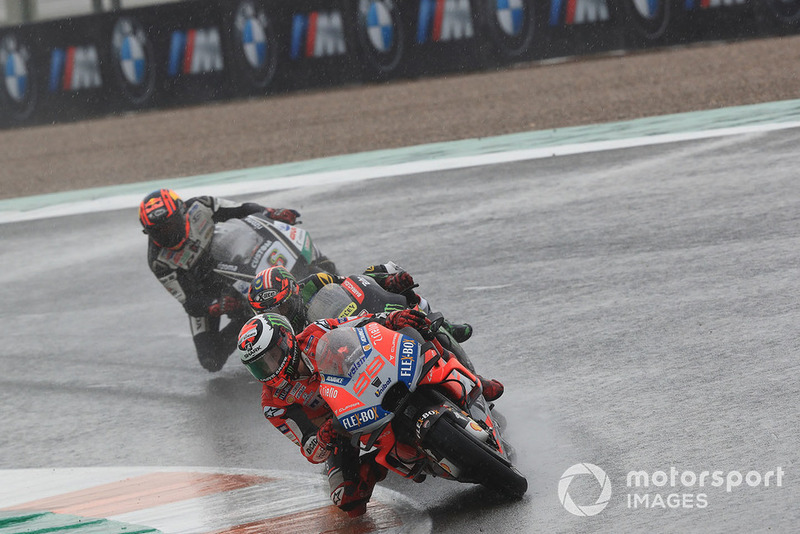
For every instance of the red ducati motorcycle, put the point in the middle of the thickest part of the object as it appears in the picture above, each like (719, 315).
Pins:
(412, 403)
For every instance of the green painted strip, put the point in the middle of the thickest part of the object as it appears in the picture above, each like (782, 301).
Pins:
(750, 115)
(19, 522)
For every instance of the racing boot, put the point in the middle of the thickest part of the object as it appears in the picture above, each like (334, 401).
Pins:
(460, 332)
(352, 496)
(492, 389)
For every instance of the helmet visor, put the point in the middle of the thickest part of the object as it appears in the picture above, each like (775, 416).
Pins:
(172, 232)
(270, 363)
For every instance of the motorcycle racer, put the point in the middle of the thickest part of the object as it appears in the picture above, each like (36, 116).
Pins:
(179, 239)
(284, 364)
(276, 289)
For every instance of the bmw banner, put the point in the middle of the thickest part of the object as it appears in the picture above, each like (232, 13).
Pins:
(194, 51)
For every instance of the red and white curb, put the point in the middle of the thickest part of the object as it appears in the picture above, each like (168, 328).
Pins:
(174, 500)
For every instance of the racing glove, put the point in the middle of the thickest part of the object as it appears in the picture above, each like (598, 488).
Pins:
(399, 282)
(288, 216)
(224, 306)
(318, 446)
(413, 318)
(402, 283)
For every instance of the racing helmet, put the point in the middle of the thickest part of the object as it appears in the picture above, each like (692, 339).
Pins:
(275, 289)
(163, 217)
(269, 350)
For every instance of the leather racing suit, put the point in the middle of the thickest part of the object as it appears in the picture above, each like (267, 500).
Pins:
(187, 274)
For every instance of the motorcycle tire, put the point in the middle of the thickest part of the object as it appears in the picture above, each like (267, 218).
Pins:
(477, 459)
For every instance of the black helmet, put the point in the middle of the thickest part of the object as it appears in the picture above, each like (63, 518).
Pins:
(163, 217)
(276, 290)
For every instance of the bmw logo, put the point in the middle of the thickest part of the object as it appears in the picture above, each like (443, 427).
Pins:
(251, 27)
(134, 60)
(381, 36)
(510, 25)
(511, 16)
(647, 9)
(378, 22)
(18, 88)
(648, 18)
(256, 44)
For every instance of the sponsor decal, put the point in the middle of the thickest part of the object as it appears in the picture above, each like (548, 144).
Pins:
(297, 390)
(329, 392)
(195, 51)
(264, 295)
(378, 19)
(134, 57)
(362, 337)
(357, 365)
(424, 421)
(273, 411)
(310, 445)
(317, 34)
(349, 310)
(277, 321)
(276, 258)
(690, 5)
(374, 330)
(354, 290)
(172, 285)
(255, 43)
(306, 251)
(444, 20)
(342, 409)
(647, 9)
(337, 494)
(283, 390)
(18, 88)
(198, 325)
(339, 380)
(359, 419)
(383, 387)
(260, 252)
(74, 68)
(227, 267)
(649, 17)
(510, 16)
(408, 360)
(250, 334)
(569, 12)
(277, 255)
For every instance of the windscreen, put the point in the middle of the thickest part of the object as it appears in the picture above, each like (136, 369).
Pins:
(338, 351)
(331, 302)
(234, 242)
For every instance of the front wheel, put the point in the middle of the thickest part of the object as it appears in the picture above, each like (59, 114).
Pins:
(477, 460)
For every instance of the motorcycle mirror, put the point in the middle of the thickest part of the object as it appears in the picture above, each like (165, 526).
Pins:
(437, 320)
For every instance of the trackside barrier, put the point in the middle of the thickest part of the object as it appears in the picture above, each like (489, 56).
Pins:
(202, 50)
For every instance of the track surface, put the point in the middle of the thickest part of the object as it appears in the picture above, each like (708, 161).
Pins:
(640, 306)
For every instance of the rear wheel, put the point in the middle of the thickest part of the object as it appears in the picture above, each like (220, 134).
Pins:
(477, 460)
